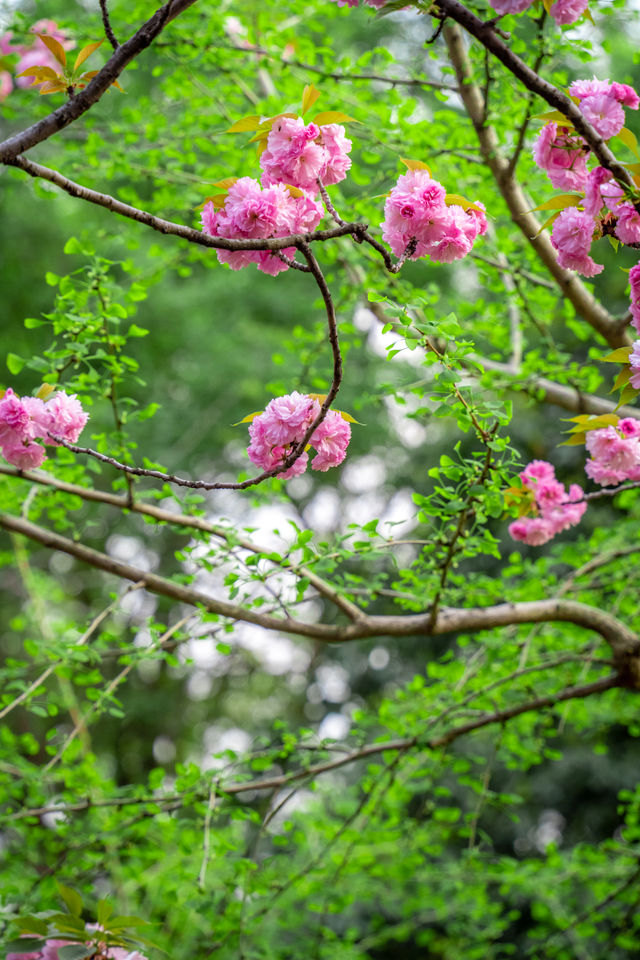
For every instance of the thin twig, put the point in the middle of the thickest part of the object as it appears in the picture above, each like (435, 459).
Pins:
(107, 25)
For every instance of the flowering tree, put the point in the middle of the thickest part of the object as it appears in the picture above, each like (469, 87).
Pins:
(478, 561)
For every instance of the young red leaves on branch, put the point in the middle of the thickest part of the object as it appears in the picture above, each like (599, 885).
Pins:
(45, 52)
(69, 79)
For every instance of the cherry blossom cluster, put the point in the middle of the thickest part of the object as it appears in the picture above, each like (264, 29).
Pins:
(25, 420)
(562, 11)
(50, 951)
(34, 54)
(555, 508)
(419, 218)
(563, 155)
(284, 423)
(297, 158)
(615, 453)
(253, 212)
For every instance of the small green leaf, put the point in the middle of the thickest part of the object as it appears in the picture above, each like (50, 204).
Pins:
(105, 909)
(560, 203)
(309, 96)
(14, 363)
(74, 951)
(24, 945)
(333, 116)
(136, 331)
(621, 355)
(247, 123)
(629, 139)
(73, 245)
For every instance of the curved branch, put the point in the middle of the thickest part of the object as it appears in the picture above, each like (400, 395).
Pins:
(624, 643)
(571, 287)
(82, 101)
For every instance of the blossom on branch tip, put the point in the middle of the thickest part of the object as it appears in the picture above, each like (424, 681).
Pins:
(602, 104)
(634, 280)
(27, 419)
(284, 423)
(615, 454)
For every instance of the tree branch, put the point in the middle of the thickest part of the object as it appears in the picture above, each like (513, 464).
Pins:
(107, 25)
(576, 292)
(84, 99)
(623, 642)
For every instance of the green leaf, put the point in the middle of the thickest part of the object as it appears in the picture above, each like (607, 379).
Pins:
(247, 123)
(72, 899)
(629, 139)
(333, 116)
(105, 909)
(136, 331)
(24, 945)
(415, 164)
(74, 951)
(14, 363)
(73, 245)
(31, 924)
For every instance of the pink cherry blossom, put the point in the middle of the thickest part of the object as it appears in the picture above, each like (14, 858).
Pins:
(614, 457)
(571, 236)
(567, 11)
(627, 228)
(629, 427)
(254, 212)
(503, 7)
(284, 422)
(601, 190)
(300, 155)
(556, 509)
(27, 419)
(563, 156)
(634, 380)
(330, 440)
(634, 280)
(602, 104)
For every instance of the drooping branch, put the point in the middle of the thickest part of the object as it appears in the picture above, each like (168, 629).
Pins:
(623, 642)
(519, 206)
(85, 99)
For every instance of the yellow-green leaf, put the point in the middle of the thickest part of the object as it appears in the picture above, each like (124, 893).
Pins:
(456, 199)
(333, 116)
(309, 96)
(85, 53)
(39, 74)
(218, 201)
(577, 441)
(248, 418)
(589, 423)
(55, 47)
(560, 203)
(53, 87)
(247, 123)
(629, 139)
(621, 355)
(549, 221)
(415, 165)
(226, 183)
(589, 16)
(629, 393)
(622, 378)
(45, 391)
(114, 84)
(553, 116)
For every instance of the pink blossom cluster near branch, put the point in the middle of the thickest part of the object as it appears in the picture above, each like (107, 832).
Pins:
(562, 11)
(254, 212)
(634, 281)
(296, 160)
(563, 155)
(284, 423)
(615, 453)
(419, 213)
(554, 508)
(51, 947)
(31, 55)
(25, 420)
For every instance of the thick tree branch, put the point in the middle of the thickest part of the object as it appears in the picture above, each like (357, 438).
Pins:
(571, 287)
(623, 642)
(82, 101)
